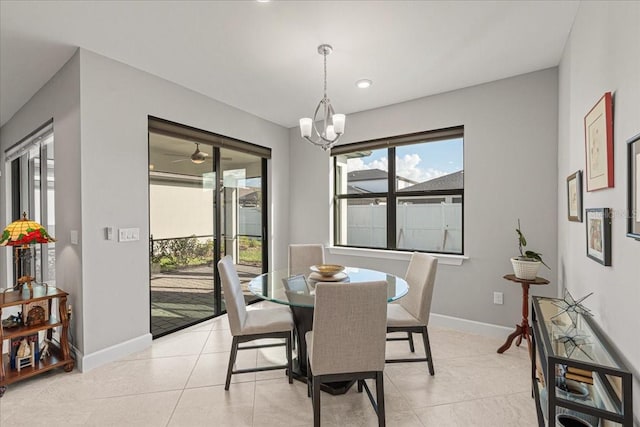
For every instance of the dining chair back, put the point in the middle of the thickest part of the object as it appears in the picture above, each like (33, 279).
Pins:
(347, 342)
(410, 314)
(303, 256)
(233, 297)
(252, 325)
(421, 277)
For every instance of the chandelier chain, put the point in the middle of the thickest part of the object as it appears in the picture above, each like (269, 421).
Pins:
(325, 73)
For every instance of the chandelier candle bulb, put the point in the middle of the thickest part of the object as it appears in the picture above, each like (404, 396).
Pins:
(305, 127)
(331, 134)
(338, 123)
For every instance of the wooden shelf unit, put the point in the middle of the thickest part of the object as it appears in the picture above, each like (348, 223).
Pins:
(60, 356)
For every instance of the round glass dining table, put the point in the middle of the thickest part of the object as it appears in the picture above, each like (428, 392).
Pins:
(271, 287)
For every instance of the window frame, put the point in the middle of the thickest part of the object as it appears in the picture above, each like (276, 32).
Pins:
(35, 196)
(392, 194)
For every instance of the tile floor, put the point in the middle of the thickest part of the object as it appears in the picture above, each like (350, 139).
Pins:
(179, 381)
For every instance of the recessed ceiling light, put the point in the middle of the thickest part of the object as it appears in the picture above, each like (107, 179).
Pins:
(263, 1)
(364, 83)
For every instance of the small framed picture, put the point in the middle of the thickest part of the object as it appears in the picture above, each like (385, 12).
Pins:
(598, 134)
(574, 196)
(599, 235)
(633, 187)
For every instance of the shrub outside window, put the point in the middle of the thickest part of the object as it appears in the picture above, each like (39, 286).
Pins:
(412, 203)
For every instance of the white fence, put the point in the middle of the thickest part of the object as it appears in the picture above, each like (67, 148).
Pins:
(434, 227)
(249, 221)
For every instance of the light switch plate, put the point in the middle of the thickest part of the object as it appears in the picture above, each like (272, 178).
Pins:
(128, 234)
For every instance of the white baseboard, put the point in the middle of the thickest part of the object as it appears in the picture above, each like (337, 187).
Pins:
(87, 362)
(470, 326)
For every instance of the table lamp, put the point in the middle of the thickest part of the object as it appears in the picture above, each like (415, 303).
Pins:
(21, 234)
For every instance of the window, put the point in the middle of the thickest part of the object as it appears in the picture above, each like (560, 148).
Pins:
(412, 202)
(30, 166)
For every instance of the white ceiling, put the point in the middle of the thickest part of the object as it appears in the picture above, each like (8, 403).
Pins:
(262, 57)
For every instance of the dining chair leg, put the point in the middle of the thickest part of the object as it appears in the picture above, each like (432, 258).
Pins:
(295, 337)
(380, 399)
(309, 379)
(289, 364)
(360, 386)
(316, 402)
(410, 338)
(427, 349)
(232, 361)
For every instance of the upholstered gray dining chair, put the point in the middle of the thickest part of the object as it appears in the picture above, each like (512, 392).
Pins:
(251, 325)
(347, 342)
(410, 313)
(301, 257)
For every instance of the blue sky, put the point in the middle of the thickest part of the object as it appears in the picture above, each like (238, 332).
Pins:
(419, 162)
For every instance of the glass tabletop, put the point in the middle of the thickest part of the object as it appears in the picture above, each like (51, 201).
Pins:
(571, 335)
(270, 286)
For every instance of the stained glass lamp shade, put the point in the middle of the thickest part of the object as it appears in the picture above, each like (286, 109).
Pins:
(21, 234)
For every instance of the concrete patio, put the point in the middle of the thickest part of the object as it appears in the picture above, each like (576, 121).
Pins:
(184, 297)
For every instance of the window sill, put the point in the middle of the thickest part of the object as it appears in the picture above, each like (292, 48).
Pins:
(445, 259)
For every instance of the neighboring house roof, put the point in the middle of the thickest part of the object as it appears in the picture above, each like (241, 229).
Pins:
(353, 189)
(366, 175)
(451, 181)
(371, 175)
(249, 196)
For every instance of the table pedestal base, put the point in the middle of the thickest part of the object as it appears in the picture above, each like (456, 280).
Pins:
(521, 332)
(334, 389)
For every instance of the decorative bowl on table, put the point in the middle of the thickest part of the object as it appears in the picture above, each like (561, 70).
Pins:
(327, 270)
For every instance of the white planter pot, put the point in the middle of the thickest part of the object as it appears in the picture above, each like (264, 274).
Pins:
(526, 270)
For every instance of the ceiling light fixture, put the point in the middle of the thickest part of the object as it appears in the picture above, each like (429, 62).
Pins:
(198, 156)
(364, 83)
(332, 123)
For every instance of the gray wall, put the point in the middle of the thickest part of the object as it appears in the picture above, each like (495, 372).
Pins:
(58, 99)
(603, 54)
(510, 150)
(111, 162)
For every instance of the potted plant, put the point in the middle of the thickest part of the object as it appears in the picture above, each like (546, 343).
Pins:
(527, 264)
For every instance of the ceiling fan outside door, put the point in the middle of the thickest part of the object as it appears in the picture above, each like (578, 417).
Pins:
(197, 157)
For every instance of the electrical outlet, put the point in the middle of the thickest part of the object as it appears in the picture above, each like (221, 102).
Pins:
(497, 298)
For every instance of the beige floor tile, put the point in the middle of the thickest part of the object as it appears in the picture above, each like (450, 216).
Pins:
(219, 341)
(179, 381)
(211, 369)
(279, 403)
(182, 343)
(126, 378)
(500, 411)
(215, 406)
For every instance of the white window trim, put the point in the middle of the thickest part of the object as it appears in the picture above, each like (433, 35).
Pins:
(446, 259)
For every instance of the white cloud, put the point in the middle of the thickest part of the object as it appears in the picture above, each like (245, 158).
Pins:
(407, 166)
(357, 164)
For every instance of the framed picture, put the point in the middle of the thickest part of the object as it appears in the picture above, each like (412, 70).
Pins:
(598, 134)
(599, 235)
(574, 196)
(633, 187)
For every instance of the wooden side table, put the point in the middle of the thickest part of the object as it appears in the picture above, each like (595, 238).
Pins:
(523, 330)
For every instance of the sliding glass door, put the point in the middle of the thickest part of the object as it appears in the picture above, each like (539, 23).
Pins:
(205, 202)
(242, 213)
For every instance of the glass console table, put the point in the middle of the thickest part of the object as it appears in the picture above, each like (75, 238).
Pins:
(570, 351)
